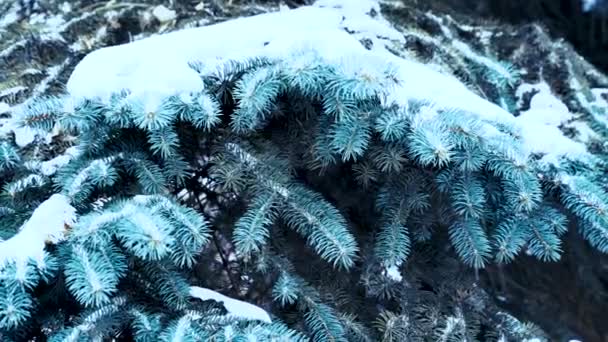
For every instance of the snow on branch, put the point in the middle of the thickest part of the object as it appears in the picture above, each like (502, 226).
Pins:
(235, 307)
(157, 66)
(46, 225)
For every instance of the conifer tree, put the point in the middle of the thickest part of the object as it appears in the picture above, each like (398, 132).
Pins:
(300, 172)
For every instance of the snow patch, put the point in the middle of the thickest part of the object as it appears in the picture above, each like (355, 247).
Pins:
(65, 7)
(4, 107)
(52, 74)
(234, 307)
(48, 168)
(362, 18)
(540, 125)
(31, 71)
(12, 91)
(546, 108)
(11, 16)
(135, 66)
(393, 273)
(46, 225)
(584, 132)
(600, 96)
(489, 63)
(23, 135)
(50, 25)
(200, 6)
(163, 14)
(499, 68)
(157, 66)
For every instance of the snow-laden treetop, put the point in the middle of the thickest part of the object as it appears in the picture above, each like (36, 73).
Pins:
(156, 67)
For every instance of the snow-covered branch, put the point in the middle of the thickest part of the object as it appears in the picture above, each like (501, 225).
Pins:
(47, 224)
(157, 66)
(234, 307)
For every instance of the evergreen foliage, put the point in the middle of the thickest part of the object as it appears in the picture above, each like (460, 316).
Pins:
(304, 174)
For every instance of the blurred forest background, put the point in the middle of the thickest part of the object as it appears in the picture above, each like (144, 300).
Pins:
(583, 23)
